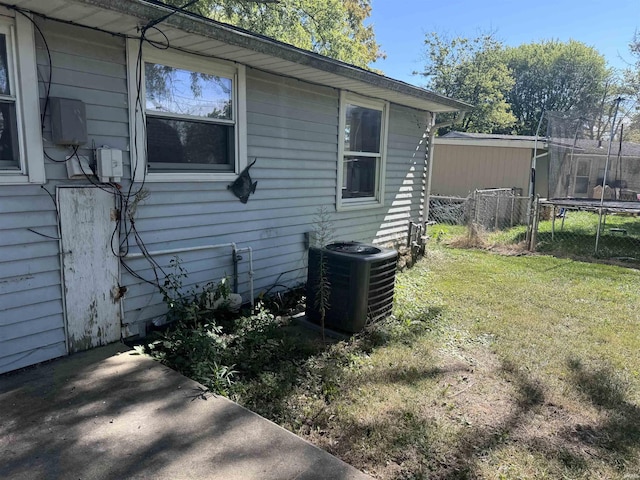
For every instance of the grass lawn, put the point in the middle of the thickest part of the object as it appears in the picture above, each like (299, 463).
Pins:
(495, 367)
(492, 367)
(574, 236)
(577, 236)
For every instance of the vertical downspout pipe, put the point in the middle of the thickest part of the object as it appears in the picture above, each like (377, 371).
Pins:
(429, 167)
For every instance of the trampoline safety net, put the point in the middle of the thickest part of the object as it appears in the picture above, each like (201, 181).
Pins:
(577, 161)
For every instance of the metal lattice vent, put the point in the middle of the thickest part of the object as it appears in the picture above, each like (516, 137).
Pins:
(361, 281)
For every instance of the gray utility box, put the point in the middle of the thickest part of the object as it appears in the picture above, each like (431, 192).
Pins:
(361, 281)
(68, 121)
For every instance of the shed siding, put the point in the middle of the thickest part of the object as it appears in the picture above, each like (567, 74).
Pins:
(458, 169)
(88, 66)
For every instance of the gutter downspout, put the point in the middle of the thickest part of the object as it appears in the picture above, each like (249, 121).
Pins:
(429, 161)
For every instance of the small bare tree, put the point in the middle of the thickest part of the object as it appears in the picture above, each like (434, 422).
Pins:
(324, 231)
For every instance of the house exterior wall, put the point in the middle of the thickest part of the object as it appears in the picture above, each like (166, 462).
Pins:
(292, 131)
(88, 66)
(460, 169)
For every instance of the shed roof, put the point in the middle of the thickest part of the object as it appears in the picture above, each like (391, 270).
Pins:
(583, 146)
(490, 140)
(203, 36)
(486, 136)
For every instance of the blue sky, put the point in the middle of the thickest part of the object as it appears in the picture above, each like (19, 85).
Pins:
(401, 25)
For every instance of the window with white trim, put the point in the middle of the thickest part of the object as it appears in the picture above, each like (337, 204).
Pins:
(21, 156)
(189, 113)
(363, 127)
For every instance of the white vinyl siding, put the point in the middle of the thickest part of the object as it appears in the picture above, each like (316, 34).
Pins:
(292, 133)
(87, 66)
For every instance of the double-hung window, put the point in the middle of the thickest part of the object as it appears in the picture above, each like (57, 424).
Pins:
(21, 157)
(189, 117)
(363, 125)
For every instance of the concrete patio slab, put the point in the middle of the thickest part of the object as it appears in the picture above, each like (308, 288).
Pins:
(110, 414)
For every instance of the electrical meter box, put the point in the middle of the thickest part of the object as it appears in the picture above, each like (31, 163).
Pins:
(68, 121)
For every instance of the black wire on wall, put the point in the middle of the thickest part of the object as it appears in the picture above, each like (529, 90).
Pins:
(125, 227)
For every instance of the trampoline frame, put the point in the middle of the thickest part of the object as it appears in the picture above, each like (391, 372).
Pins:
(585, 204)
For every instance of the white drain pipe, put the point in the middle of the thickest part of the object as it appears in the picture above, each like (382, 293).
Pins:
(250, 250)
(231, 245)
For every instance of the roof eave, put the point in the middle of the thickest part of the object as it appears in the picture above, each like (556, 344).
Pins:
(148, 9)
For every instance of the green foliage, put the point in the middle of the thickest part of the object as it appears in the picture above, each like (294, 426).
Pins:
(255, 341)
(196, 353)
(219, 353)
(511, 87)
(632, 91)
(214, 356)
(190, 306)
(471, 70)
(554, 75)
(334, 28)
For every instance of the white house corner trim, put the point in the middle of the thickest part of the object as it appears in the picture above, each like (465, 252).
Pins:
(241, 125)
(136, 121)
(27, 70)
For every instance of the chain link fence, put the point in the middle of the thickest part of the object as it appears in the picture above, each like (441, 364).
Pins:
(486, 216)
(592, 209)
(501, 217)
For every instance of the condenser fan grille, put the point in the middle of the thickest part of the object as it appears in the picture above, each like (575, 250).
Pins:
(361, 281)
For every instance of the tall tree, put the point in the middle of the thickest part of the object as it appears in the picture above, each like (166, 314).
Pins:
(335, 28)
(552, 75)
(471, 70)
(598, 121)
(632, 84)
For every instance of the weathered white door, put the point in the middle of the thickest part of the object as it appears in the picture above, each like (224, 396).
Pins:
(87, 222)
